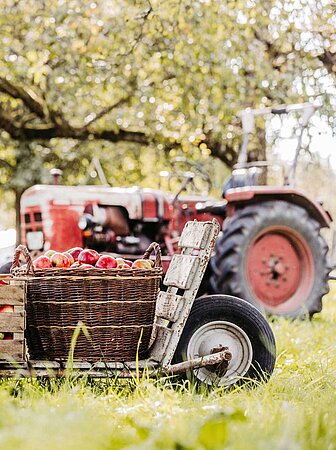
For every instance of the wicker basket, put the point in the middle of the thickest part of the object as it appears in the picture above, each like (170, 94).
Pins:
(116, 306)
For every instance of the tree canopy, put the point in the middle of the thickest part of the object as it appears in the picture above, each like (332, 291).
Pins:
(119, 77)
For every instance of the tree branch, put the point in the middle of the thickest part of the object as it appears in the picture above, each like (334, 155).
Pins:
(26, 95)
(223, 151)
(122, 135)
(6, 164)
(105, 111)
(45, 132)
(277, 57)
(328, 59)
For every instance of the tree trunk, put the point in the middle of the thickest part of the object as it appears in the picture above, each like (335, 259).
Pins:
(18, 194)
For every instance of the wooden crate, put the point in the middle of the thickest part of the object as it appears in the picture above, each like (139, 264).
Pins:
(12, 323)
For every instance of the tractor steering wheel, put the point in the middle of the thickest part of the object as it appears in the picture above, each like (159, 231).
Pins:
(195, 176)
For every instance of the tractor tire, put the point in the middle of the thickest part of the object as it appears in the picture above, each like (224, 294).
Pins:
(224, 321)
(272, 255)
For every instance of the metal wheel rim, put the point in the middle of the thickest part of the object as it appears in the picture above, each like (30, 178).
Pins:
(221, 333)
(287, 292)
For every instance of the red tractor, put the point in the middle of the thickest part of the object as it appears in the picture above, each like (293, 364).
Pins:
(270, 251)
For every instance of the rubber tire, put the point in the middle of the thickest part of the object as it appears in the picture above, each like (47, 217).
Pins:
(241, 313)
(227, 265)
(5, 268)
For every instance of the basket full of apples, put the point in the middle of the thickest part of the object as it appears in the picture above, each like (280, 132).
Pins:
(110, 300)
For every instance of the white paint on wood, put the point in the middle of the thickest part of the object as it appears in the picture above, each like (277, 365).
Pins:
(181, 271)
(195, 235)
(168, 306)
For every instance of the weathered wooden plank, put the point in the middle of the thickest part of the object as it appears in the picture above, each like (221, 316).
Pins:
(18, 336)
(181, 271)
(12, 350)
(54, 368)
(162, 338)
(12, 294)
(56, 373)
(195, 235)
(13, 372)
(168, 306)
(163, 350)
(86, 365)
(44, 364)
(11, 322)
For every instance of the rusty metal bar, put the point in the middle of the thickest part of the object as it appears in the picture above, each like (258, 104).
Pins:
(208, 360)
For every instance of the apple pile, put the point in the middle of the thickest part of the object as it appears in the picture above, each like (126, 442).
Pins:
(87, 259)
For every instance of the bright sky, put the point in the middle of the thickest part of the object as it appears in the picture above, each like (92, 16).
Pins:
(323, 143)
(7, 238)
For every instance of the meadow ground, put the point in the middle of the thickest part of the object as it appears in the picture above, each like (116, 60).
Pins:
(295, 410)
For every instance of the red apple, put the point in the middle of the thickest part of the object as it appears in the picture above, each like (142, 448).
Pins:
(49, 253)
(88, 256)
(124, 263)
(106, 262)
(75, 265)
(121, 264)
(60, 260)
(42, 262)
(74, 252)
(85, 266)
(3, 282)
(8, 337)
(70, 258)
(142, 264)
(6, 308)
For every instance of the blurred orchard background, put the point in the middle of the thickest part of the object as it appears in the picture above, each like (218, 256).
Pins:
(133, 84)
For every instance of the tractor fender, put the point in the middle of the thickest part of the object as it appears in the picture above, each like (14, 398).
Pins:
(255, 194)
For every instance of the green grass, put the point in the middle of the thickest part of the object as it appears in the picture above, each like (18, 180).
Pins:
(295, 410)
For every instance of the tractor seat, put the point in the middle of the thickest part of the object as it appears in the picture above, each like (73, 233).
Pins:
(214, 208)
(242, 177)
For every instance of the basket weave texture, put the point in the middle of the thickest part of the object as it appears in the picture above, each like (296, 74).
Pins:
(116, 307)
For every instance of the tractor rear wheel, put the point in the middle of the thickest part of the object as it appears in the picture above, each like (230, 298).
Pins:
(223, 321)
(272, 255)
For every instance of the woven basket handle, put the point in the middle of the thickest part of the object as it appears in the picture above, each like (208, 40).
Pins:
(22, 250)
(156, 248)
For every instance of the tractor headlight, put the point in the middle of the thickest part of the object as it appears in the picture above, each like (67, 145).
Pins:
(86, 222)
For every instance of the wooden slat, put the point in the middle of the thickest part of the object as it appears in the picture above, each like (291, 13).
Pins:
(163, 350)
(168, 306)
(11, 322)
(13, 372)
(12, 295)
(163, 336)
(18, 336)
(195, 235)
(12, 350)
(181, 271)
(44, 364)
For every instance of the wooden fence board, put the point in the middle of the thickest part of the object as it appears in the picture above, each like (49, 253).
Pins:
(12, 295)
